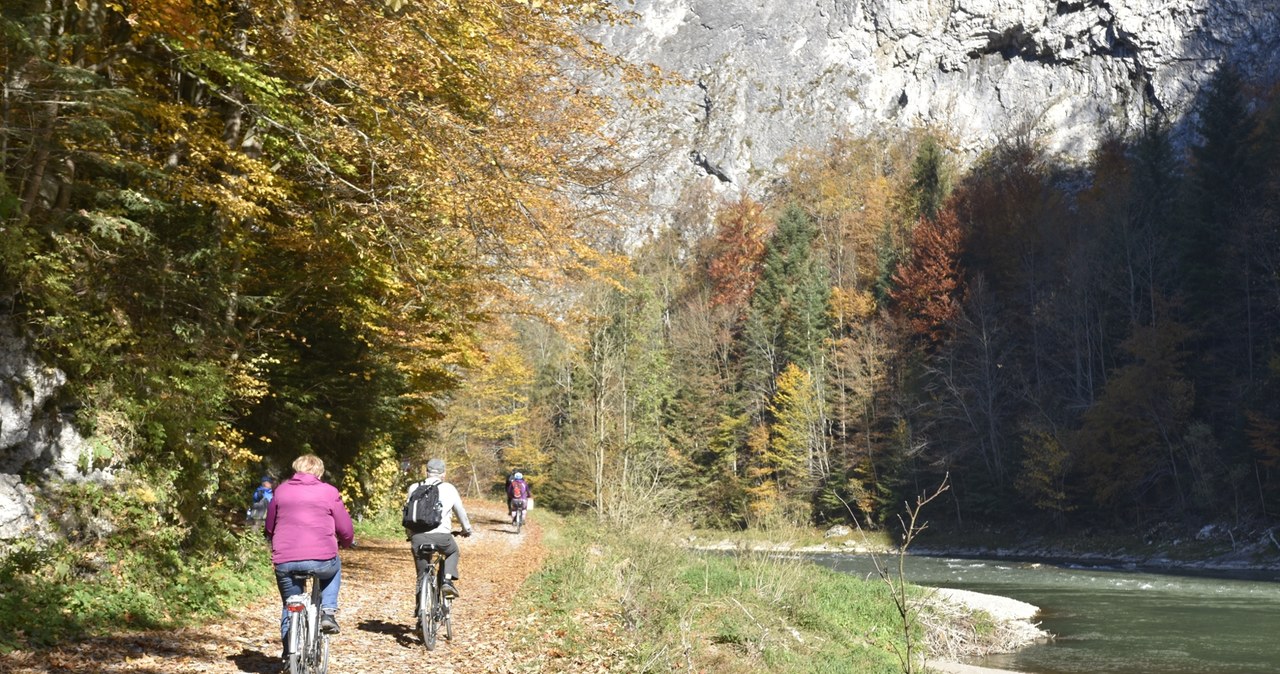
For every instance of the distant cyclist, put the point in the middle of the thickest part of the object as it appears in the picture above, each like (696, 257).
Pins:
(262, 496)
(441, 536)
(518, 494)
(306, 524)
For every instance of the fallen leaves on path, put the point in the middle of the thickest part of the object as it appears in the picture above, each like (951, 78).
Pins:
(376, 616)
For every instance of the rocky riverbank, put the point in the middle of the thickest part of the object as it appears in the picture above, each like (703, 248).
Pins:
(1207, 548)
(958, 624)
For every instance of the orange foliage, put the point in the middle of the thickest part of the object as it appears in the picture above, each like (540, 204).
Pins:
(1264, 438)
(929, 290)
(739, 245)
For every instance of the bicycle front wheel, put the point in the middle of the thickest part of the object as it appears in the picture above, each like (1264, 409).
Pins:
(427, 611)
(446, 607)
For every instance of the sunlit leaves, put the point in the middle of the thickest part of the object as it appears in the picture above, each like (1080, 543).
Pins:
(735, 262)
(334, 195)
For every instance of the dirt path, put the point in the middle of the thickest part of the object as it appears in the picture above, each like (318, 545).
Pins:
(376, 616)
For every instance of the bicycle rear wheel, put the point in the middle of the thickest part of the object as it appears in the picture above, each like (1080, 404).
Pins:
(298, 643)
(519, 520)
(427, 610)
(320, 655)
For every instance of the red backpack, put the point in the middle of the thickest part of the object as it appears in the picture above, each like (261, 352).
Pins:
(519, 489)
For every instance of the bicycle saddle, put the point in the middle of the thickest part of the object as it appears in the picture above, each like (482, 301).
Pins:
(427, 549)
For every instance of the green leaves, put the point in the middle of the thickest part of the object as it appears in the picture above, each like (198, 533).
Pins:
(113, 228)
(236, 77)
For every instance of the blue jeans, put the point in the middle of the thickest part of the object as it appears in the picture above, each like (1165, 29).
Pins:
(328, 574)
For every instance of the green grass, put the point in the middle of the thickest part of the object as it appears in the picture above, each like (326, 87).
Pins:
(49, 594)
(669, 608)
(385, 525)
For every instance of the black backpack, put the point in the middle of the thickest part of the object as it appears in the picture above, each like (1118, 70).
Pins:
(422, 512)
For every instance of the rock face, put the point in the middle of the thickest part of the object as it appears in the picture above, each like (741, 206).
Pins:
(765, 76)
(36, 438)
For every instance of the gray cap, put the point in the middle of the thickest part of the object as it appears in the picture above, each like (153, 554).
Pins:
(435, 466)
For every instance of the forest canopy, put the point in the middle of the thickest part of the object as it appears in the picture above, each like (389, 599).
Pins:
(1072, 343)
(248, 229)
(251, 228)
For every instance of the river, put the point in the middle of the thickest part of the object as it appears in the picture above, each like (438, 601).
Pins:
(1117, 620)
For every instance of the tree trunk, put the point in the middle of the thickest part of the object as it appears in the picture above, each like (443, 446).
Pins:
(44, 149)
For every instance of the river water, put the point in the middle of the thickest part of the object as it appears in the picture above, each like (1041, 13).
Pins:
(1117, 620)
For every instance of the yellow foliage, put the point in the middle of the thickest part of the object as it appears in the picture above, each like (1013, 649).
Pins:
(852, 188)
(797, 411)
(374, 479)
(762, 490)
(852, 304)
(228, 446)
(1044, 470)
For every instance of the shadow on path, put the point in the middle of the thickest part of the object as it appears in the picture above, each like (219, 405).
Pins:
(256, 662)
(498, 525)
(402, 633)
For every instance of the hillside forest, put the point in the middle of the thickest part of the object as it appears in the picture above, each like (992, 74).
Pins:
(1069, 345)
(385, 231)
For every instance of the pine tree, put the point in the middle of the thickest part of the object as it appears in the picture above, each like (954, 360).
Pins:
(1220, 182)
(930, 179)
(788, 319)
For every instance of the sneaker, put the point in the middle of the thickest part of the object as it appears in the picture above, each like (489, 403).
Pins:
(328, 624)
(448, 590)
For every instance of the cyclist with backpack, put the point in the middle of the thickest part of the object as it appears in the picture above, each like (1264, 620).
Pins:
(306, 523)
(428, 518)
(518, 492)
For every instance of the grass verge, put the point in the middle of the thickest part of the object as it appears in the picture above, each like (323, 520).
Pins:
(384, 525)
(52, 593)
(632, 599)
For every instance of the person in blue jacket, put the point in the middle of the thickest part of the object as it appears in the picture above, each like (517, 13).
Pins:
(261, 499)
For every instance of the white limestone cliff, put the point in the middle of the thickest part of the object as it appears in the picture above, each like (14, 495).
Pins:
(37, 439)
(766, 76)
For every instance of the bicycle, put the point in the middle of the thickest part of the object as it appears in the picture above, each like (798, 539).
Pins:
(517, 513)
(433, 606)
(308, 644)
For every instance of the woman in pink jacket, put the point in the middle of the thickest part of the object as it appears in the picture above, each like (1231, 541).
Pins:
(306, 524)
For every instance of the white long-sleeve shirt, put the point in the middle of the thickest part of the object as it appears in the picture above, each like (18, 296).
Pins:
(450, 503)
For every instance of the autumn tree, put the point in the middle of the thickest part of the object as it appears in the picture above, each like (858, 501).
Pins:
(261, 238)
(1042, 476)
(1128, 440)
(734, 261)
(797, 454)
(485, 425)
(930, 288)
